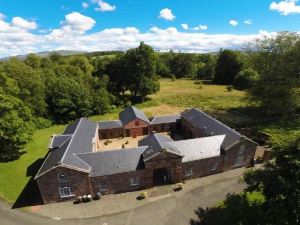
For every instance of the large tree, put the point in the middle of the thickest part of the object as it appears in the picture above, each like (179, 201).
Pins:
(16, 124)
(279, 181)
(228, 66)
(140, 71)
(277, 62)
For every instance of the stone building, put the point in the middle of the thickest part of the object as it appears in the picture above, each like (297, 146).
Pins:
(74, 166)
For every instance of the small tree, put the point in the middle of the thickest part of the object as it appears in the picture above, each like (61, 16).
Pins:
(245, 79)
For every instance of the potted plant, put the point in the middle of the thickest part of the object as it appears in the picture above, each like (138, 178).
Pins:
(178, 187)
(143, 195)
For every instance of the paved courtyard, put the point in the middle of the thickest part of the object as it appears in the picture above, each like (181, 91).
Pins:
(116, 143)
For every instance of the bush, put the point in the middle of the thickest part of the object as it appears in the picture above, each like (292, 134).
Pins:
(41, 123)
(229, 88)
(245, 79)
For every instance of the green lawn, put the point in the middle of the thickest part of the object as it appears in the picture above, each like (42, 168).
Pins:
(174, 97)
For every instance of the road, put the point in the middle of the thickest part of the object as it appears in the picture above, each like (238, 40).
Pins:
(173, 209)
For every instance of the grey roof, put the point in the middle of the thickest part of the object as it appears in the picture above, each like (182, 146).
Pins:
(157, 143)
(110, 124)
(165, 119)
(199, 148)
(70, 129)
(131, 113)
(58, 140)
(81, 141)
(114, 161)
(53, 158)
(210, 126)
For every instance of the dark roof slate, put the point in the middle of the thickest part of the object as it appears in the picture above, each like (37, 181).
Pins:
(114, 161)
(81, 141)
(53, 158)
(132, 113)
(58, 140)
(157, 143)
(110, 124)
(211, 126)
(165, 119)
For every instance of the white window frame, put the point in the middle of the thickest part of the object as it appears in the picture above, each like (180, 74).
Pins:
(62, 180)
(134, 181)
(189, 172)
(66, 191)
(102, 186)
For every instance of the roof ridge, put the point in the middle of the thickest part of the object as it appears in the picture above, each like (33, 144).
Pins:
(219, 122)
(62, 158)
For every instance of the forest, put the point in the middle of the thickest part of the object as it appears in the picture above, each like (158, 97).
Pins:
(40, 91)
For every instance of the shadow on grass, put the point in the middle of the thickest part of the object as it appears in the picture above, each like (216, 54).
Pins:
(30, 194)
(236, 210)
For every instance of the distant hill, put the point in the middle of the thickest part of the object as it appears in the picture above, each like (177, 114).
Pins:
(45, 54)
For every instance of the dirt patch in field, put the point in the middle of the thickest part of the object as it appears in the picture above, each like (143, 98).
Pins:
(163, 109)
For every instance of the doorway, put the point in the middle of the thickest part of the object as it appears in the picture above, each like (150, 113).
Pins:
(161, 176)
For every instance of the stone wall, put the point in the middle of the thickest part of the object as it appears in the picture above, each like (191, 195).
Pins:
(203, 167)
(137, 127)
(49, 184)
(167, 160)
(117, 183)
(233, 156)
(110, 133)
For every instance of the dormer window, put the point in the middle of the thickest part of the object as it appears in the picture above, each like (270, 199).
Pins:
(62, 178)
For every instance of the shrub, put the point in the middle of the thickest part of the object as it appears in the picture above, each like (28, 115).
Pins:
(127, 142)
(229, 88)
(245, 79)
(123, 146)
(41, 123)
(107, 142)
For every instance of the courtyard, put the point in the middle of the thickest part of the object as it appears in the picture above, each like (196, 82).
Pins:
(128, 142)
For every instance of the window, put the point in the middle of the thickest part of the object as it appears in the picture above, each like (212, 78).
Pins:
(215, 167)
(189, 172)
(66, 191)
(102, 186)
(240, 158)
(137, 123)
(62, 178)
(134, 181)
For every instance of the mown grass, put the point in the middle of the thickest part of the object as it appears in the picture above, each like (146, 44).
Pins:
(174, 97)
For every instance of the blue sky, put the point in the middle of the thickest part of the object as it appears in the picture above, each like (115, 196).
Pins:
(191, 25)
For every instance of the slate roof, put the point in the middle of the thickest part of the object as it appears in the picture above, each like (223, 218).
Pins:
(211, 126)
(157, 143)
(132, 113)
(115, 161)
(110, 124)
(82, 134)
(165, 119)
(199, 148)
(58, 140)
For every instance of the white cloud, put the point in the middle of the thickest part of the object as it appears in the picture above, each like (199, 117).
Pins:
(185, 26)
(71, 36)
(248, 22)
(23, 24)
(286, 7)
(78, 23)
(201, 27)
(85, 5)
(105, 7)
(233, 23)
(166, 14)
(2, 16)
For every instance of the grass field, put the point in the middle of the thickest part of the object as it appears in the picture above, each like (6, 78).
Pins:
(174, 97)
